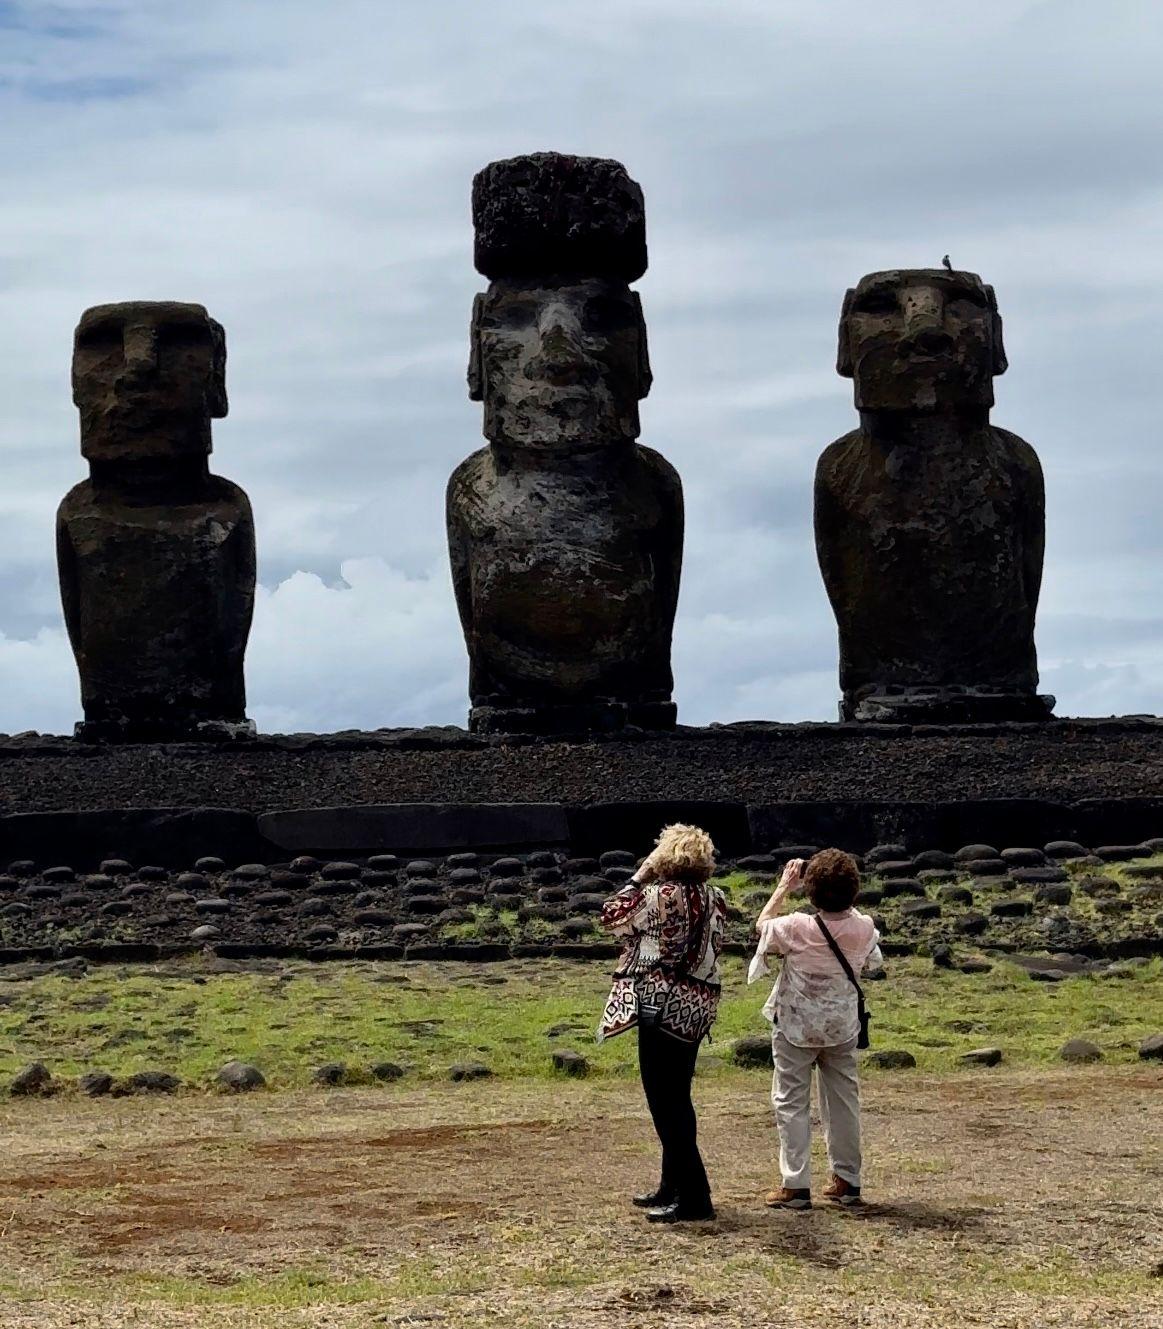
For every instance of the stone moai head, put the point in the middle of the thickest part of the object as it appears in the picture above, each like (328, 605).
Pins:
(558, 342)
(921, 340)
(148, 377)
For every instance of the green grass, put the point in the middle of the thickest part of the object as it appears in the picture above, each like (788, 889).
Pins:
(190, 1019)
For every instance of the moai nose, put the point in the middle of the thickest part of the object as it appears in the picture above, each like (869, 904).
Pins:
(140, 352)
(925, 322)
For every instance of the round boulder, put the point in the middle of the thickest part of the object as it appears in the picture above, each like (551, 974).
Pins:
(752, 1050)
(240, 1077)
(1080, 1050)
(891, 1059)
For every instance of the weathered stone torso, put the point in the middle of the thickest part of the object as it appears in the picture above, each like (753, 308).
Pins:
(569, 572)
(932, 559)
(158, 600)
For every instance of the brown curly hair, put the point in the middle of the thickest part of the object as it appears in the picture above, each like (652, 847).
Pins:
(832, 880)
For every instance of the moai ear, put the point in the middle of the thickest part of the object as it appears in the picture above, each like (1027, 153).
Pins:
(216, 398)
(843, 349)
(645, 377)
(476, 381)
(1000, 363)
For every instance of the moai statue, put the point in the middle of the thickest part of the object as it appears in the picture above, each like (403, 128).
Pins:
(565, 534)
(156, 555)
(930, 521)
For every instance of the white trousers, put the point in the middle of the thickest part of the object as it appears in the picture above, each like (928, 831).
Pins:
(791, 1096)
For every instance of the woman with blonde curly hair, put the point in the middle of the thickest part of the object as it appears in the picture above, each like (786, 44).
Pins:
(667, 985)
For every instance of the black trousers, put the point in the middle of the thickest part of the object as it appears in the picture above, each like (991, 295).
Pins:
(667, 1066)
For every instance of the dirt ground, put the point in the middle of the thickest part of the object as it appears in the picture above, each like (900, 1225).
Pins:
(999, 1198)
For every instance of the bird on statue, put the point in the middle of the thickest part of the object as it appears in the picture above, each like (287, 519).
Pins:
(948, 266)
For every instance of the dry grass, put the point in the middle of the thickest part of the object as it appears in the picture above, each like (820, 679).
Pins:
(1002, 1198)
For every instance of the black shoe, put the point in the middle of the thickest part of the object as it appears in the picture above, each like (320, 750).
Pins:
(681, 1213)
(658, 1199)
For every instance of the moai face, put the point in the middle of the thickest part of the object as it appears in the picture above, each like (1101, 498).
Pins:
(558, 363)
(921, 341)
(148, 377)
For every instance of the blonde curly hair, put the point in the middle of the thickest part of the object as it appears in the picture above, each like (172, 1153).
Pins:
(681, 850)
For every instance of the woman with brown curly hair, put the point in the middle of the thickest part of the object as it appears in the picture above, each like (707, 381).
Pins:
(814, 1009)
(667, 986)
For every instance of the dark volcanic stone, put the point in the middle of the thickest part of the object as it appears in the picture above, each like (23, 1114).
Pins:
(274, 899)
(1151, 1048)
(251, 872)
(464, 876)
(586, 902)
(932, 859)
(618, 876)
(1118, 853)
(547, 212)
(752, 1050)
(32, 1080)
(41, 891)
(151, 872)
(305, 865)
(1039, 876)
(8, 883)
(1064, 849)
(94, 1084)
(320, 934)
(207, 932)
(895, 868)
(99, 881)
(115, 867)
(542, 858)
(210, 865)
(971, 924)
(21, 867)
(370, 877)
(954, 894)
(971, 853)
(547, 876)
(240, 1077)
(59, 874)
(1113, 906)
(313, 906)
(425, 904)
(409, 931)
(1080, 1050)
(464, 895)
(580, 867)
(757, 863)
(387, 1071)
(469, 1070)
(982, 1057)
(212, 905)
(987, 867)
(150, 1082)
(331, 1073)
(617, 858)
(340, 871)
(1024, 858)
(115, 908)
(420, 867)
(505, 868)
(891, 1059)
(569, 1062)
(1011, 908)
(192, 881)
(374, 918)
(869, 895)
(1098, 886)
(1053, 894)
(921, 909)
(577, 927)
(885, 853)
(894, 886)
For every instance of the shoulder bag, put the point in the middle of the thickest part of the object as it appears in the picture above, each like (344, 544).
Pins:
(862, 1037)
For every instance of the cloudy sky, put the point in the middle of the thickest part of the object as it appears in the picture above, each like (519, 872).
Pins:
(303, 170)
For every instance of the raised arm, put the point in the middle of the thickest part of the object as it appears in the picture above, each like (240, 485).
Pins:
(792, 875)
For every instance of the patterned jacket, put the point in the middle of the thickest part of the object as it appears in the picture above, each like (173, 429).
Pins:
(674, 933)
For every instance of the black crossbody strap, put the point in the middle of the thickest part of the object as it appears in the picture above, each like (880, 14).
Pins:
(839, 954)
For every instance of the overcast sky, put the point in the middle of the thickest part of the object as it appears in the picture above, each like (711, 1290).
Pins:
(303, 170)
